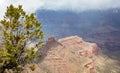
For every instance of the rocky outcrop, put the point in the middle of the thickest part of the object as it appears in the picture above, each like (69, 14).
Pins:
(67, 55)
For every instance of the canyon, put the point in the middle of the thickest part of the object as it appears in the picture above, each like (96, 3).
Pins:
(72, 55)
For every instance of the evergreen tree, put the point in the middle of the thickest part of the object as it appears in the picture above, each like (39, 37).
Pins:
(18, 31)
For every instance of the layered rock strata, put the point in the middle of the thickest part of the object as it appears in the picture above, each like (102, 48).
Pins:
(67, 55)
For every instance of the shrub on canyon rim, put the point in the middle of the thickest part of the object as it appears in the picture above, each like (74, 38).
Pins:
(18, 31)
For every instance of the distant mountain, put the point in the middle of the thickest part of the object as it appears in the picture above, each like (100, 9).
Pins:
(93, 17)
(100, 26)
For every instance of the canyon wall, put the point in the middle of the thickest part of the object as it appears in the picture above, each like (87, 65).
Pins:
(67, 55)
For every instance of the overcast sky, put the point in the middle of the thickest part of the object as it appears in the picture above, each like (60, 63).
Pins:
(73, 5)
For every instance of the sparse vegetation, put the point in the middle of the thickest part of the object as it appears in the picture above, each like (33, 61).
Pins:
(18, 31)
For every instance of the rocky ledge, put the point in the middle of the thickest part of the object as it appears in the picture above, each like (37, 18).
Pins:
(67, 55)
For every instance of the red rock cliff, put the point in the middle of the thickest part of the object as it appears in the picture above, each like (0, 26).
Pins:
(67, 55)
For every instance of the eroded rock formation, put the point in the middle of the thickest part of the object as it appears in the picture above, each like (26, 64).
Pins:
(67, 55)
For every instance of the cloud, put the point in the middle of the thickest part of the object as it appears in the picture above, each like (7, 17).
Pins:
(28, 5)
(74, 5)
(79, 5)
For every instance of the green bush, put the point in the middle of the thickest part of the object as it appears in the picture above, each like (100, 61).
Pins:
(18, 31)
